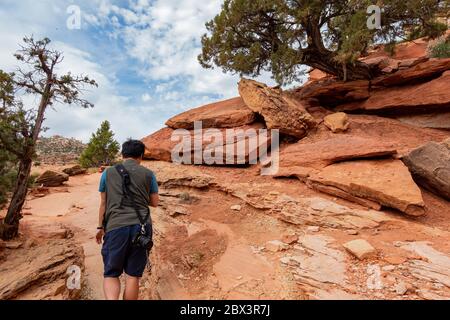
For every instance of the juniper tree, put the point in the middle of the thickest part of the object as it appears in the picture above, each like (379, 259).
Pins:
(102, 148)
(249, 36)
(21, 126)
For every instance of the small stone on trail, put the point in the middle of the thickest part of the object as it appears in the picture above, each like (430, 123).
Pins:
(360, 248)
(352, 232)
(276, 246)
(13, 245)
(388, 268)
(236, 208)
(289, 238)
(401, 288)
(313, 229)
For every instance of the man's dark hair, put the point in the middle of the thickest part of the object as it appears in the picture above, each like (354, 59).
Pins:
(133, 149)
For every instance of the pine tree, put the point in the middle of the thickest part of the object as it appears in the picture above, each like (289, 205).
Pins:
(279, 36)
(102, 149)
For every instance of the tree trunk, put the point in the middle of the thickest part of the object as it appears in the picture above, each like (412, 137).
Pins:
(325, 62)
(9, 228)
(319, 57)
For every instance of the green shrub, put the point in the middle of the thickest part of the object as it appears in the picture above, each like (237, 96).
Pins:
(102, 149)
(441, 49)
(7, 181)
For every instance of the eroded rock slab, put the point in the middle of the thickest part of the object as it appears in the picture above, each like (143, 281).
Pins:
(40, 272)
(75, 170)
(336, 148)
(434, 120)
(279, 111)
(434, 267)
(367, 136)
(387, 182)
(299, 210)
(331, 92)
(224, 114)
(422, 72)
(430, 165)
(171, 175)
(213, 146)
(52, 179)
(408, 99)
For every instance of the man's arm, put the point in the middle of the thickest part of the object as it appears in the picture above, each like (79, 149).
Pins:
(102, 209)
(154, 190)
(101, 216)
(154, 200)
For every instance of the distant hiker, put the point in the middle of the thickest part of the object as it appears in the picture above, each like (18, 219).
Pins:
(127, 191)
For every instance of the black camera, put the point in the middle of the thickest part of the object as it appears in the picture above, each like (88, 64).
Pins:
(142, 240)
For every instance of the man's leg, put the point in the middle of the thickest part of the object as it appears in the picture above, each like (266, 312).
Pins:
(111, 287)
(131, 288)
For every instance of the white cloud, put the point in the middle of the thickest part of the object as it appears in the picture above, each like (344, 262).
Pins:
(146, 97)
(154, 42)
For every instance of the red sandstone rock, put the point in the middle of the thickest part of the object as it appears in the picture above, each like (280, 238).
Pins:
(279, 111)
(418, 73)
(52, 179)
(387, 182)
(159, 146)
(430, 95)
(224, 114)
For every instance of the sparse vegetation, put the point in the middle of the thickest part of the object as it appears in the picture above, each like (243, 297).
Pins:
(440, 48)
(20, 127)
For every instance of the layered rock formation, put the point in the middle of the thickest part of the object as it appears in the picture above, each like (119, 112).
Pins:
(232, 146)
(352, 155)
(224, 114)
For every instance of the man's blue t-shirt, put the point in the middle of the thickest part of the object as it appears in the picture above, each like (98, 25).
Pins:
(153, 184)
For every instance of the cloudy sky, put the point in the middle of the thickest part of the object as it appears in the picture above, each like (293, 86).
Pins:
(143, 54)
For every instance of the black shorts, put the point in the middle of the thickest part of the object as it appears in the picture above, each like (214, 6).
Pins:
(120, 255)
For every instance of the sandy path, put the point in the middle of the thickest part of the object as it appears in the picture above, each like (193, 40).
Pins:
(77, 208)
(209, 253)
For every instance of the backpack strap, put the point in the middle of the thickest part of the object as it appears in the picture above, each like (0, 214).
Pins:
(127, 195)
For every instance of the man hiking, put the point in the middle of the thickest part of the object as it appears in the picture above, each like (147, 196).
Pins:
(127, 191)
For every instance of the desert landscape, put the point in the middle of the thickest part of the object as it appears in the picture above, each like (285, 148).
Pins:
(359, 208)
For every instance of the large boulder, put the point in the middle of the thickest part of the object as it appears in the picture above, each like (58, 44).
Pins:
(431, 95)
(75, 170)
(430, 166)
(231, 146)
(279, 111)
(224, 114)
(387, 182)
(52, 178)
